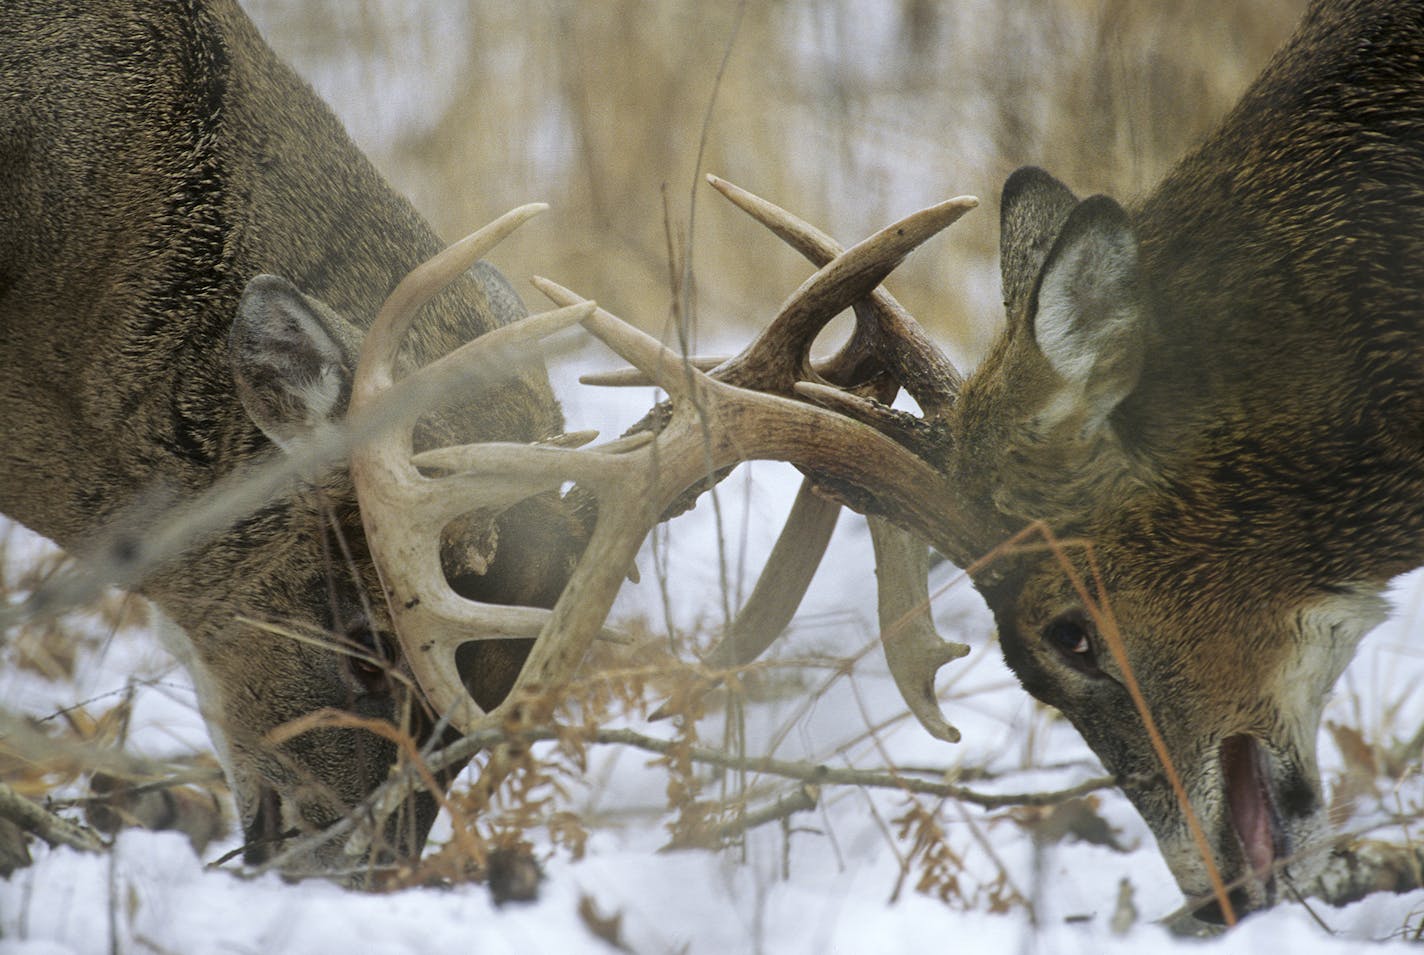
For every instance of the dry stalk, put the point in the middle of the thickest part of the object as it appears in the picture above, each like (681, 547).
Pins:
(55, 830)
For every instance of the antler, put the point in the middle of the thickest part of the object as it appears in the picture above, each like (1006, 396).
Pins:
(404, 511)
(887, 348)
(749, 409)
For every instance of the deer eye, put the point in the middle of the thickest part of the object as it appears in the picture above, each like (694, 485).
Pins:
(367, 656)
(1071, 634)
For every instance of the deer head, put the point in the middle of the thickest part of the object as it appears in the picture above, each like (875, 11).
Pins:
(266, 680)
(1166, 566)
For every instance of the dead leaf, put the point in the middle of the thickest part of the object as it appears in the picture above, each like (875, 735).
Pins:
(514, 875)
(608, 928)
(1072, 819)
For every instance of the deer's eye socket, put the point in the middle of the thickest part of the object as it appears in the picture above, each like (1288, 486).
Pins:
(1071, 634)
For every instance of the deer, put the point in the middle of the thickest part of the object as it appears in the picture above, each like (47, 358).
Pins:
(1220, 392)
(1181, 478)
(159, 162)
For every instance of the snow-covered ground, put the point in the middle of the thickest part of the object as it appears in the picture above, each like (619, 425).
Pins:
(828, 884)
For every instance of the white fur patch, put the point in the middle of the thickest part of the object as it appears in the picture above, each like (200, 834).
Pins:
(320, 396)
(1086, 321)
(1080, 309)
(1328, 632)
(175, 640)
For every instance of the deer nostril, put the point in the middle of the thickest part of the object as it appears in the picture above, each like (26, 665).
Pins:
(1296, 796)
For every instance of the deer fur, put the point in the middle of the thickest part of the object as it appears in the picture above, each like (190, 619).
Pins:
(155, 158)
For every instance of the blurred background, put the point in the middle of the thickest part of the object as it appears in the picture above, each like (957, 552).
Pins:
(851, 113)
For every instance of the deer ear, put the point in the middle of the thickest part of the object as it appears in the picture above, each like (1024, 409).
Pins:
(1087, 313)
(1032, 211)
(291, 359)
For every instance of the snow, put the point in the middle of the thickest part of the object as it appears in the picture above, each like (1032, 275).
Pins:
(826, 886)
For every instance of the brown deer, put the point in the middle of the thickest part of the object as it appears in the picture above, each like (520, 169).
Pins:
(1222, 392)
(1186, 471)
(155, 158)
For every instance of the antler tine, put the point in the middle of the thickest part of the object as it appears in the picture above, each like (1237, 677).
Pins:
(634, 377)
(920, 366)
(805, 238)
(541, 468)
(486, 357)
(778, 357)
(778, 592)
(914, 652)
(903, 426)
(663, 366)
(376, 366)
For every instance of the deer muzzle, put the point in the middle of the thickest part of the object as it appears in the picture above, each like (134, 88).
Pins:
(1270, 816)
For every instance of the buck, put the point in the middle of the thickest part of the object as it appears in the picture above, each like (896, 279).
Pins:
(1222, 392)
(1214, 404)
(156, 158)
(1208, 413)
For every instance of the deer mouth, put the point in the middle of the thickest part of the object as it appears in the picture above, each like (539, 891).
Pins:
(1254, 815)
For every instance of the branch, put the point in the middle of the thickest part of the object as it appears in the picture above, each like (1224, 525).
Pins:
(32, 817)
(389, 798)
(830, 775)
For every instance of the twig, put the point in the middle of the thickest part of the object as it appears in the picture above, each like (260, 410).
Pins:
(387, 800)
(829, 775)
(1356, 867)
(55, 830)
(195, 777)
(803, 798)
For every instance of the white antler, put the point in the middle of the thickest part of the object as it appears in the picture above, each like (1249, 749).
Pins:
(403, 510)
(750, 407)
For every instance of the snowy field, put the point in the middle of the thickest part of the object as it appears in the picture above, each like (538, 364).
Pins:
(829, 881)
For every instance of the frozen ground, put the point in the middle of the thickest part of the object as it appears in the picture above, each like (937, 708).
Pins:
(827, 885)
